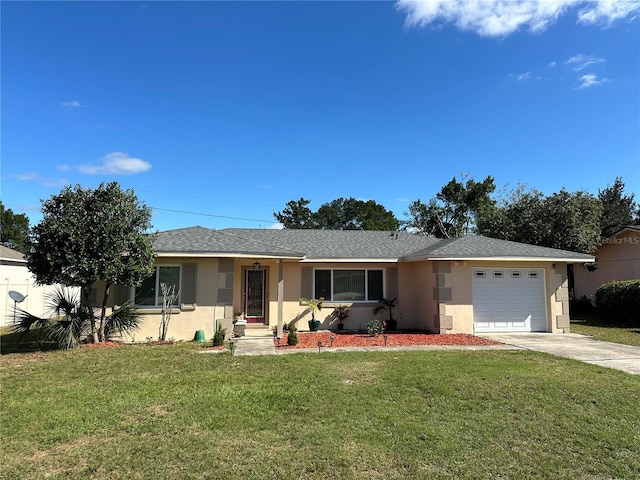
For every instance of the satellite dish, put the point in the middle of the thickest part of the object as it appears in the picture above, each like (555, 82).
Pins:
(16, 296)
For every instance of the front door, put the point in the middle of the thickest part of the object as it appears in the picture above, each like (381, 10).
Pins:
(254, 295)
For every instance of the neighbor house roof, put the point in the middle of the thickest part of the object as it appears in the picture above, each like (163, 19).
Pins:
(348, 245)
(9, 255)
(629, 228)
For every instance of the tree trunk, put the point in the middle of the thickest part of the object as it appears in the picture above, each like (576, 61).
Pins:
(85, 306)
(103, 312)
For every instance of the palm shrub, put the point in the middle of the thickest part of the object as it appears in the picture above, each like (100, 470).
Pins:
(389, 305)
(67, 320)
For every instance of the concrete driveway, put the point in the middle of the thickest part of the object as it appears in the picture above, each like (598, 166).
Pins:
(577, 347)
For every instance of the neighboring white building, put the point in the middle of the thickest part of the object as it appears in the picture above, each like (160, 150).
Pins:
(15, 277)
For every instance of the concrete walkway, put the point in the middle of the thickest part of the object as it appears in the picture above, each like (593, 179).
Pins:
(264, 346)
(568, 345)
(577, 347)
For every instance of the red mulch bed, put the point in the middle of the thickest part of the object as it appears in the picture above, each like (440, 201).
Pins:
(394, 339)
(100, 345)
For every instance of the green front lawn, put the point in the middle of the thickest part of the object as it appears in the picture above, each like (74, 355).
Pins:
(170, 412)
(591, 326)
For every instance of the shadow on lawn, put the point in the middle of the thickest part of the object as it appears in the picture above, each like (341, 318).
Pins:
(32, 341)
(592, 320)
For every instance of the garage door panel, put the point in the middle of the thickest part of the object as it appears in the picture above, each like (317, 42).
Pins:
(512, 301)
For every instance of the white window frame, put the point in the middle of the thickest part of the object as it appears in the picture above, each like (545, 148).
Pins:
(366, 283)
(158, 299)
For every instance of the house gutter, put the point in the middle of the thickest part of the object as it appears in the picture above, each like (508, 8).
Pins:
(504, 259)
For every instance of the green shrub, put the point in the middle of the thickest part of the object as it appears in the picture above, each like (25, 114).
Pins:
(218, 336)
(375, 327)
(619, 302)
(582, 306)
(292, 336)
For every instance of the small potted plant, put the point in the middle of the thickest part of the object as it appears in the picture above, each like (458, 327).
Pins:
(315, 305)
(340, 313)
(389, 305)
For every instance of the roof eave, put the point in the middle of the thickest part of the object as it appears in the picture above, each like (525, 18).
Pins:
(228, 255)
(349, 260)
(504, 259)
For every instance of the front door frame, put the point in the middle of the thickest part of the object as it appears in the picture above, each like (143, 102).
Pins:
(251, 316)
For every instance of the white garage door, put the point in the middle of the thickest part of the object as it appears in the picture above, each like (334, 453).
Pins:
(509, 300)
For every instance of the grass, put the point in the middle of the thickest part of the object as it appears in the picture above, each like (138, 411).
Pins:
(590, 325)
(170, 412)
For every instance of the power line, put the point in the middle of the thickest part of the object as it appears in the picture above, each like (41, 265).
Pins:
(209, 198)
(212, 215)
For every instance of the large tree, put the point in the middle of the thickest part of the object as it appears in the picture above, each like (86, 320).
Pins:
(339, 214)
(296, 215)
(453, 212)
(618, 209)
(88, 236)
(352, 214)
(14, 229)
(565, 220)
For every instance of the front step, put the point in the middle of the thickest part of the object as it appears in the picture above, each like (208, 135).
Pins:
(258, 331)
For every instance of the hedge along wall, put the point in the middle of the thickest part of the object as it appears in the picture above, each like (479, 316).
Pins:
(619, 302)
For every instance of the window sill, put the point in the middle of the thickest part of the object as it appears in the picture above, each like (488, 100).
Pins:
(156, 310)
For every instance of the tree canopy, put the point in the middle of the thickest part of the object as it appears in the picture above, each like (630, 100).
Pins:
(564, 220)
(339, 214)
(296, 215)
(14, 229)
(92, 235)
(618, 209)
(453, 212)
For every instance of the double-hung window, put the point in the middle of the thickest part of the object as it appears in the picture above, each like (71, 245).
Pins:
(349, 285)
(149, 293)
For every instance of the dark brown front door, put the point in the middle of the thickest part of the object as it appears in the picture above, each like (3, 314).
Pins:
(254, 295)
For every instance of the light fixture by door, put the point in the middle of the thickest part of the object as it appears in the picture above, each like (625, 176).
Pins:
(256, 266)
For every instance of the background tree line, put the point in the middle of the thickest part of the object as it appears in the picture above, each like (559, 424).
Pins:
(576, 221)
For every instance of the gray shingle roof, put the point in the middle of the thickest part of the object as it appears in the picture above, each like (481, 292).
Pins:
(341, 244)
(200, 240)
(476, 246)
(346, 244)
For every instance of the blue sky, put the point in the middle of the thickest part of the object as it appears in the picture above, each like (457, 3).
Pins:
(231, 109)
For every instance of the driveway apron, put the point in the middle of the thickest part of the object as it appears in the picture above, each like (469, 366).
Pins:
(577, 347)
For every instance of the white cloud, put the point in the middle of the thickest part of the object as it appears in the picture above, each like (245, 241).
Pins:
(590, 80)
(71, 104)
(63, 168)
(497, 18)
(117, 163)
(47, 182)
(523, 77)
(275, 226)
(606, 12)
(552, 64)
(27, 176)
(582, 61)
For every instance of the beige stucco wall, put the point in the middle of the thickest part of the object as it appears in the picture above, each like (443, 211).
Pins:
(359, 316)
(619, 259)
(432, 296)
(460, 307)
(187, 320)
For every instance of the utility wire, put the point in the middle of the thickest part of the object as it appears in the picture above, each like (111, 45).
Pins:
(212, 215)
(209, 198)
